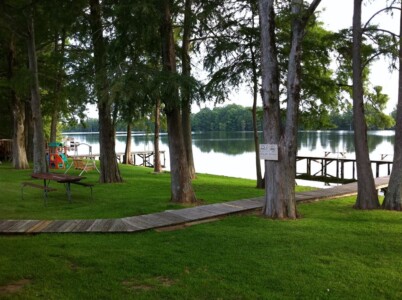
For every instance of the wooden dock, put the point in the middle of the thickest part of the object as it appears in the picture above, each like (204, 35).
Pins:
(340, 169)
(171, 219)
(139, 158)
(143, 158)
(332, 169)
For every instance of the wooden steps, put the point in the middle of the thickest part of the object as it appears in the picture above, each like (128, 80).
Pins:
(172, 218)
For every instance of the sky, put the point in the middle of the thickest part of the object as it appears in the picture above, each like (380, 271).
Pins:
(337, 14)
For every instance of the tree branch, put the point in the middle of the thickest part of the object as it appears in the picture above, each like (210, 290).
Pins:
(370, 59)
(313, 6)
(204, 38)
(377, 13)
(382, 30)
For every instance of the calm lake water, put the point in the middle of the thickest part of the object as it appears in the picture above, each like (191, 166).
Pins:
(232, 153)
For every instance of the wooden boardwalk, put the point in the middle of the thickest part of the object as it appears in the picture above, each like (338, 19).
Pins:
(170, 219)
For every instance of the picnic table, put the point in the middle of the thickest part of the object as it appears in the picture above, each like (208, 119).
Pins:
(66, 179)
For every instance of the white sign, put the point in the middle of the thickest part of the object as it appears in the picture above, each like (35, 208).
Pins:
(269, 151)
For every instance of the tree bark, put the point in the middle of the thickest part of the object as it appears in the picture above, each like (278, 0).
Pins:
(109, 169)
(186, 93)
(127, 159)
(28, 130)
(367, 197)
(157, 158)
(271, 113)
(280, 175)
(255, 78)
(39, 153)
(181, 187)
(58, 86)
(20, 160)
(393, 196)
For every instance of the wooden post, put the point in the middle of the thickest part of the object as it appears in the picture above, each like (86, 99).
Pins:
(342, 170)
(337, 168)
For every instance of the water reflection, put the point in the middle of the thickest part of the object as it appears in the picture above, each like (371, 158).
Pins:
(232, 153)
(230, 143)
(325, 141)
(319, 142)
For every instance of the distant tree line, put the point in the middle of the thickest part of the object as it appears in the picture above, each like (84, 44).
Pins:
(235, 117)
(238, 118)
(232, 117)
(92, 125)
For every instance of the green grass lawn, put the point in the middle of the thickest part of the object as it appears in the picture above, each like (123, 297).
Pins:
(141, 192)
(332, 252)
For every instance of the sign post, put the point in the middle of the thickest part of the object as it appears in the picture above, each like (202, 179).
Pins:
(269, 151)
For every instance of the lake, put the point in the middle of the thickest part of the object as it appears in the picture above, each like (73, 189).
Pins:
(232, 153)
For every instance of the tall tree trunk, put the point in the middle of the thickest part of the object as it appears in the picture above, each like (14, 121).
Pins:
(39, 158)
(186, 92)
(127, 159)
(20, 160)
(157, 158)
(181, 187)
(393, 196)
(58, 86)
(289, 142)
(367, 197)
(280, 175)
(28, 130)
(109, 171)
(53, 125)
(270, 98)
(260, 179)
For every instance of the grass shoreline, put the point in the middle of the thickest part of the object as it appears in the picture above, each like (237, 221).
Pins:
(333, 251)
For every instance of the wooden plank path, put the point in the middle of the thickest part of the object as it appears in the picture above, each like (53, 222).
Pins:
(171, 219)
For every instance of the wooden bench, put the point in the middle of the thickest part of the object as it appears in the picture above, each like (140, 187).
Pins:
(84, 184)
(45, 189)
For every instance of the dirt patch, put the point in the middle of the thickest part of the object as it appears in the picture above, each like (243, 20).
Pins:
(165, 281)
(131, 285)
(150, 284)
(73, 266)
(13, 287)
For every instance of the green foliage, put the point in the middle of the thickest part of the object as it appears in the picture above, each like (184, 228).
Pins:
(316, 117)
(377, 43)
(319, 90)
(374, 107)
(231, 45)
(342, 120)
(46, 129)
(88, 125)
(144, 123)
(231, 117)
(226, 38)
